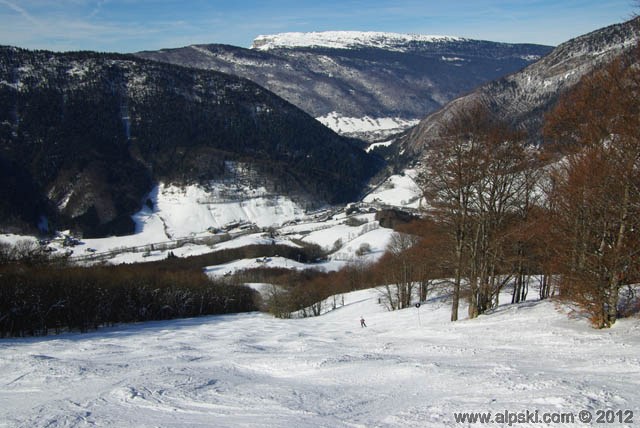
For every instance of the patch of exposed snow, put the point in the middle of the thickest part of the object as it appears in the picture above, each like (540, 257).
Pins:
(380, 144)
(254, 239)
(356, 126)
(78, 70)
(193, 209)
(13, 239)
(398, 190)
(347, 238)
(244, 264)
(452, 59)
(17, 86)
(376, 240)
(531, 58)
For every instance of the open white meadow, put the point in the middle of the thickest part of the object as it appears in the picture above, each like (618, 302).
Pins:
(410, 368)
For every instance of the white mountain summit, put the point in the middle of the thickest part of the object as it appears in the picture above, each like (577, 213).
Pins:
(346, 40)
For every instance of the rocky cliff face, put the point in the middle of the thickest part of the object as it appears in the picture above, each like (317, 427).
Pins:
(83, 136)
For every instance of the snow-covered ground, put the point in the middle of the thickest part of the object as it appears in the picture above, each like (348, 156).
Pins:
(368, 128)
(410, 368)
(344, 243)
(379, 144)
(323, 233)
(188, 212)
(182, 213)
(192, 209)
(398, 190)
(243, 264)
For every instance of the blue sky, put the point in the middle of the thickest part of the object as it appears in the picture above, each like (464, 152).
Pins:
(134, 25)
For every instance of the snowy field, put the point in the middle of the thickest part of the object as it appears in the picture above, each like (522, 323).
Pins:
(375, 127)
(398, 190)
(190, 212)
(183, 213)
(411, 368)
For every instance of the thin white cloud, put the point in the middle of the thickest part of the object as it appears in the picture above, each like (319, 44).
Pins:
(98, 8)
(20, 11)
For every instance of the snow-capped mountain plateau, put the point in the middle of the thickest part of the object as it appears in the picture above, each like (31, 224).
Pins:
(346, 40)
(370, 77)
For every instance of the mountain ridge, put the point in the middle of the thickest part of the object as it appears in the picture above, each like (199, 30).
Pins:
(90, 133)
(363, 81)
(345, 40)
(523, 97)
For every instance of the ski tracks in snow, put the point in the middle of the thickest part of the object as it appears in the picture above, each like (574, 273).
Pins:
(254, 370)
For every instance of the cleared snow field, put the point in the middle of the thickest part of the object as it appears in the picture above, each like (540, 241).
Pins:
(187, 212)
(406, 369)
(191, 209)
(361, 126)
(398, 190)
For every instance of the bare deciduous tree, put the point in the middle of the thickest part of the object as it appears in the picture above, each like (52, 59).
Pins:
(478, 177)
(597, 187)
(399, 271)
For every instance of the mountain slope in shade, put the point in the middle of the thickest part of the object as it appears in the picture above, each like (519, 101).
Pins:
(522, 98)
(357, 75)
(83, 137)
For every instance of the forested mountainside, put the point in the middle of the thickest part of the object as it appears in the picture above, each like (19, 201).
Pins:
(354, 74)
(84, 135)
(523, 98)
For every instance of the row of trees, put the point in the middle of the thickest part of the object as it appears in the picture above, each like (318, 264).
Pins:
(501, 210)
(480, 181)
(45, 299)
(595, 189)
(42, 293)
(293, 293)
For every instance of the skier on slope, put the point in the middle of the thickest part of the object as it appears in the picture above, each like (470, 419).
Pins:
(362, 323)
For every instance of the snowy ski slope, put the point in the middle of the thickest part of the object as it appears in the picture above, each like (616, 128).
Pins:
(406, 369)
